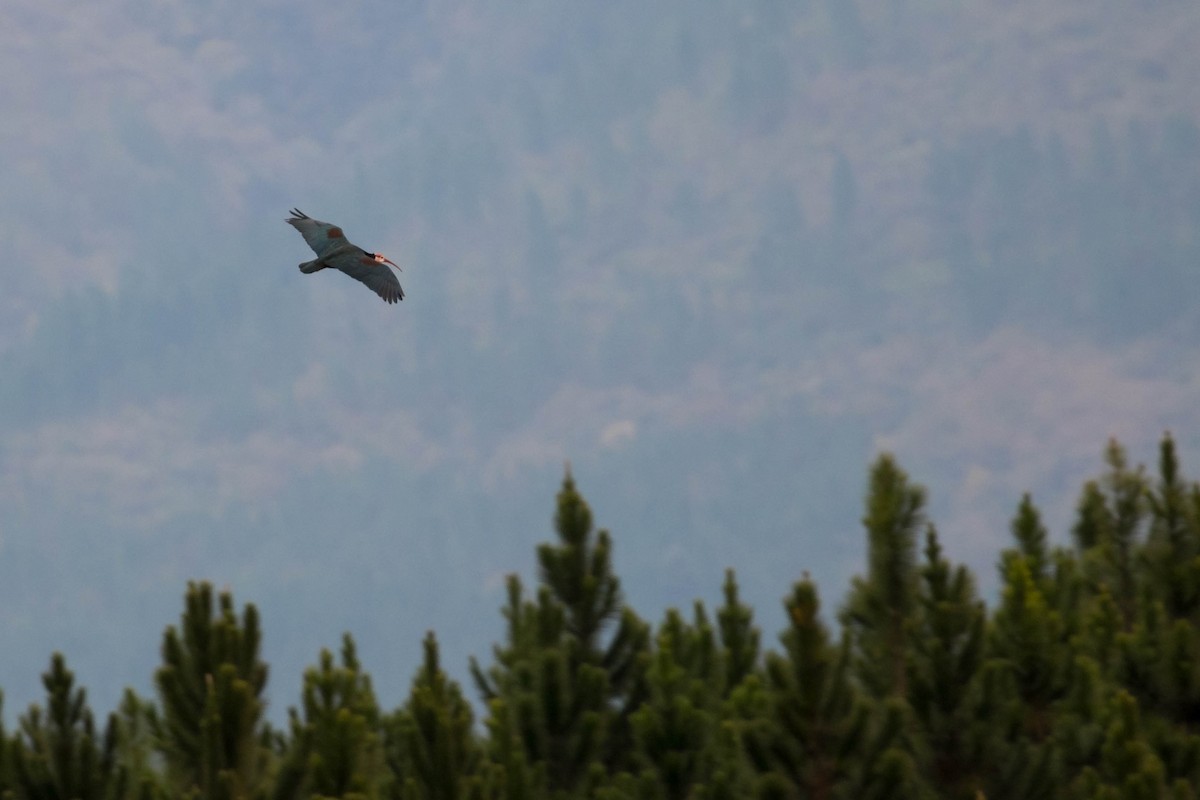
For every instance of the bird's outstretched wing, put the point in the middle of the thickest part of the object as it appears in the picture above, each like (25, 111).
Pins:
(378, 277)
(321, 236)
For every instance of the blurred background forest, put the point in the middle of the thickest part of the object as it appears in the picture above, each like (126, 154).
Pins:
(718, 259)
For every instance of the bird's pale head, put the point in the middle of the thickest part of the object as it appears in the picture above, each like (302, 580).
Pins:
(382, 259)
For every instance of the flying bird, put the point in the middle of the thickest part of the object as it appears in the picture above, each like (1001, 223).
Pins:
(333, 249)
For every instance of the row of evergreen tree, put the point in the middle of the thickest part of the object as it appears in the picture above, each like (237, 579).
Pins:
(1082, 682)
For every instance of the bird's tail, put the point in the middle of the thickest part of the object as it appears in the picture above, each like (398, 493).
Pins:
(311, 266)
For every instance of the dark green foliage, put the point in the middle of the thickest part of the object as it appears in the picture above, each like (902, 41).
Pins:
(1128, 767)
(337, 742)
(564, 694)
(1111, 521)
(578, 571)
(1092, 522)
(553, 703)
(820, 737)
(210, 685)
(6, 748)
(1026, 643)
(58, 753)
(815, 719)
(1173, 549)
(686, 730)
(881, 610)
(739, 636)
(431, 744)
(948, 653)
(675, 728)
(1031, 537)
(1012, 698)
(1082, 682)
(137, 762)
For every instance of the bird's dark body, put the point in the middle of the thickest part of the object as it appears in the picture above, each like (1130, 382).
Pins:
(334, 250)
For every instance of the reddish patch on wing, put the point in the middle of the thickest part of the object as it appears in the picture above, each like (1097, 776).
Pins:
(368, 261)
(335, 233)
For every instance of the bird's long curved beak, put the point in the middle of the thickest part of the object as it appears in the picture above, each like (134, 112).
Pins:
(393, 263)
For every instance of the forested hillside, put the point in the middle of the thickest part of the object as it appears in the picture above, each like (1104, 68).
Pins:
(1082, 681)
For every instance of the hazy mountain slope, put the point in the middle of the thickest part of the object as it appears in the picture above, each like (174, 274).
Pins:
(716, 259)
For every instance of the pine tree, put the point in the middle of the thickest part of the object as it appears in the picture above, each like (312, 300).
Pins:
(512, 688)
(1080, 720)
(58, 753)
(579, 576)
(814, 714)
(675, 729)
(1027, 636)
(566, 694)
(1013, 699)
(1092, 520)
(554, 702)
(1156, 651)
(513, 778)
(136, 723)
(881, 610)
(819, 737)
(949, 652)
(1110, 520)
(1159, 665)
(6, 748)
(1173, 549)
(739, 636)
(1127, 491)
(337, 740)
(209, 686)
(1030, 533)
(431, 744)
(1128, 767)
(687, 729)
